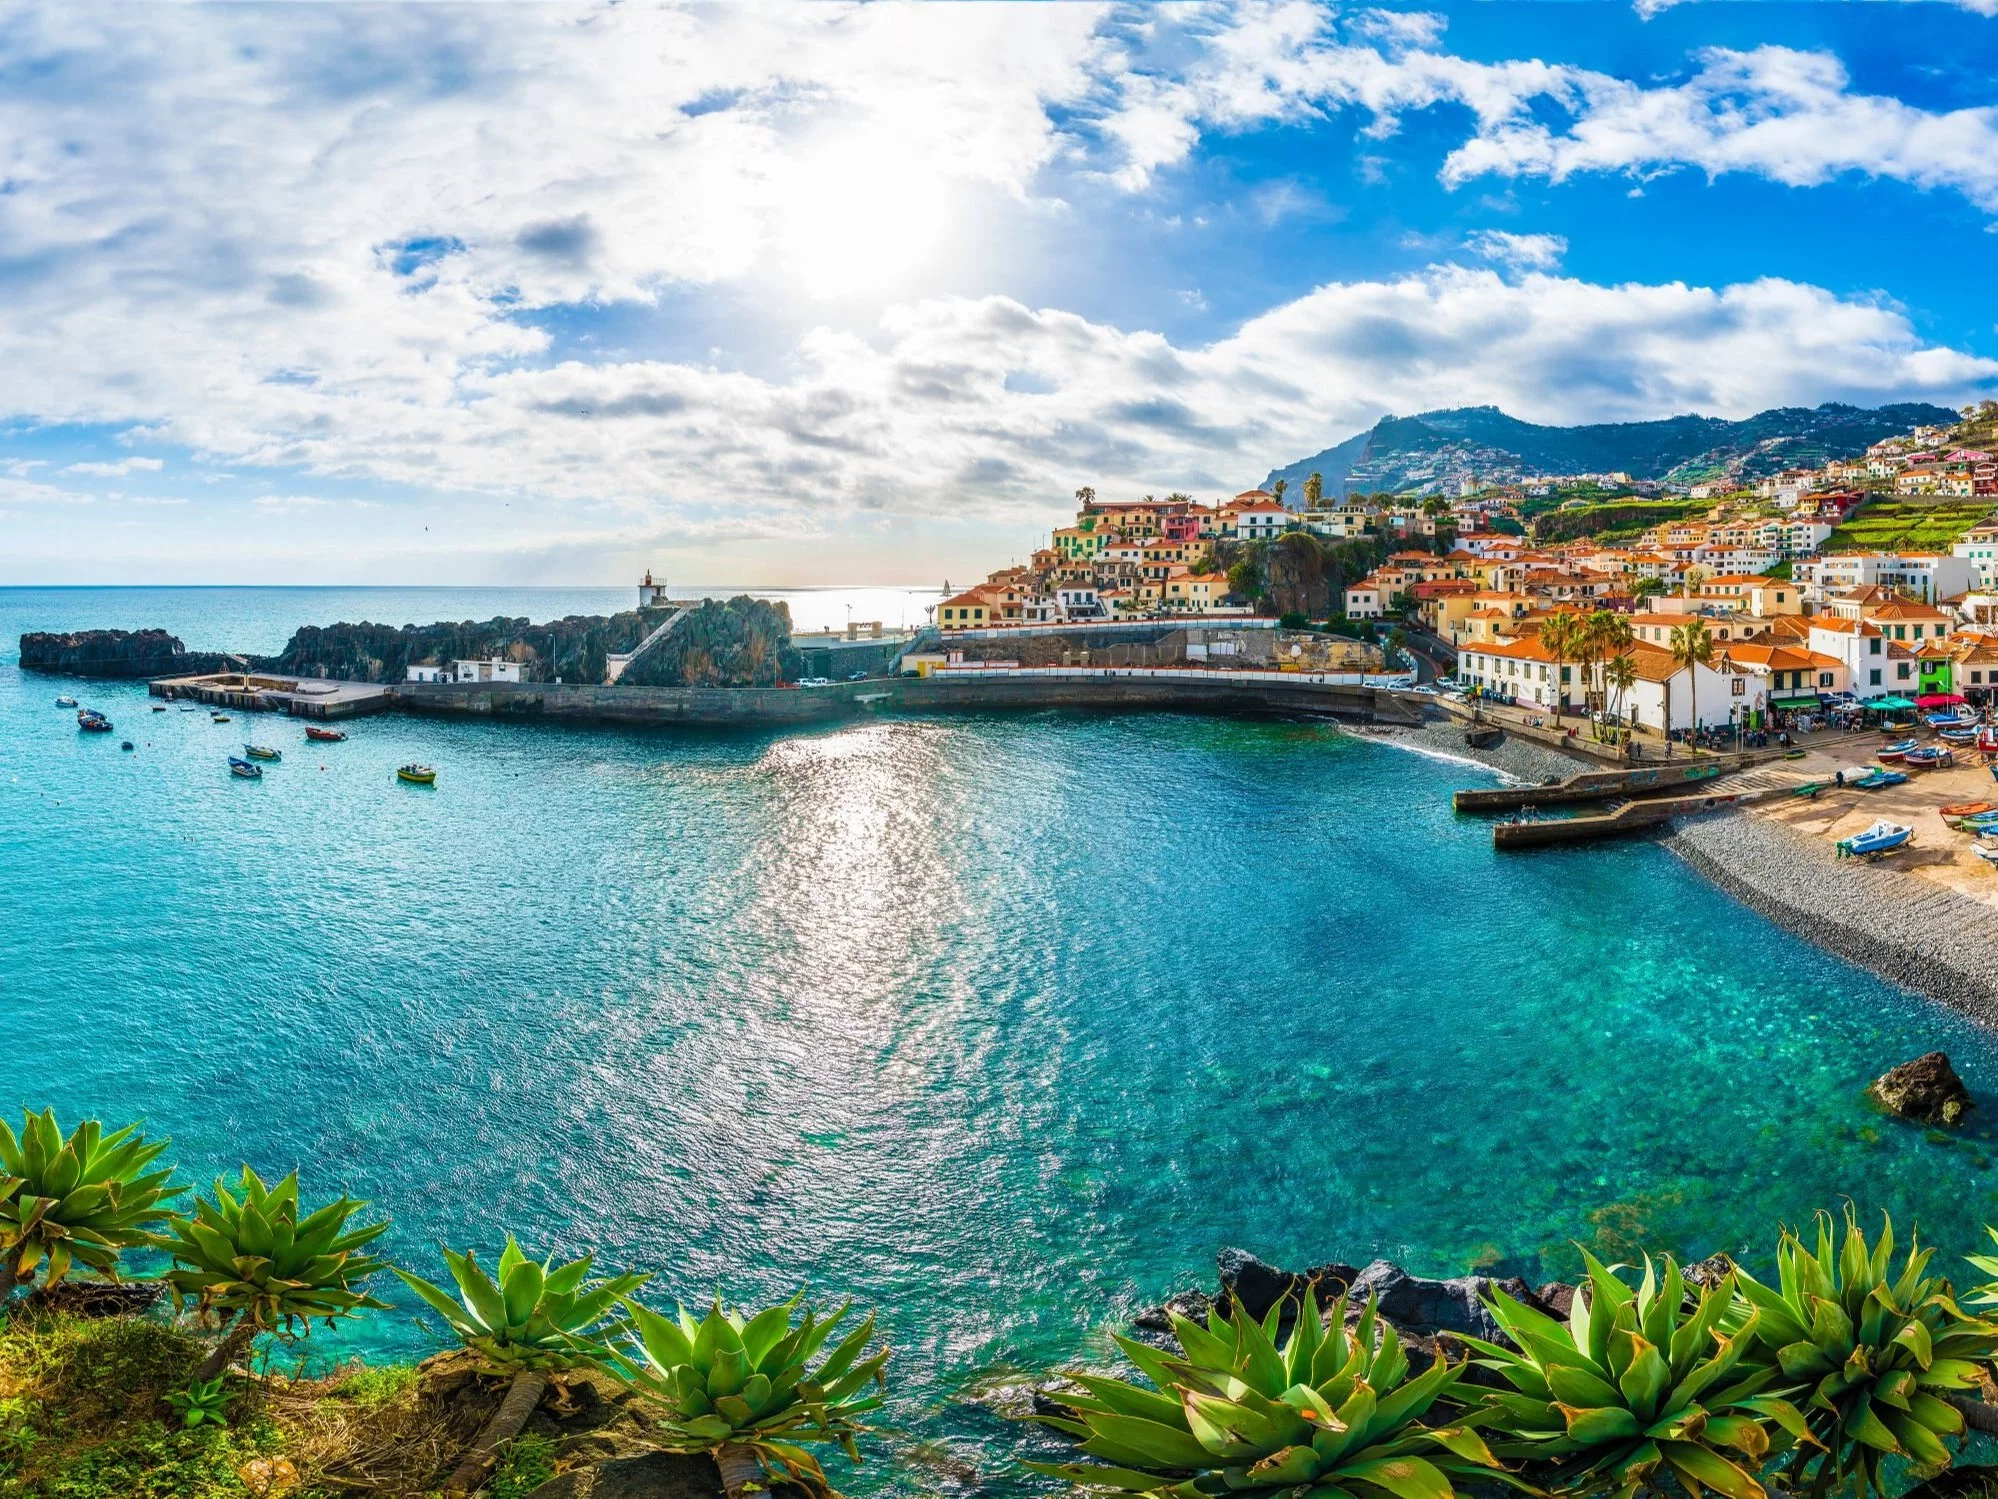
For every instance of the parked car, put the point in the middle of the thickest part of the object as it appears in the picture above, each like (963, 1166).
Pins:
(858, 676)
(815, 681)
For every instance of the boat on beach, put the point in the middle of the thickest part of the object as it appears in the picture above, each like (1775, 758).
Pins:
(1929, 757)
(1947, 720)
(1958, 736)
(261, 752)
(416, 775)
(1966, 809)
(324, 736)
(245, 769)
(1883, 837)
(1897, 727)
(1897, 751)
(1879, 780)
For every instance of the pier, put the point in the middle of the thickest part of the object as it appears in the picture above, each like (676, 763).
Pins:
(1599, 786)
(301, 697)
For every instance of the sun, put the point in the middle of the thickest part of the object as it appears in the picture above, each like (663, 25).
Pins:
(862, 217)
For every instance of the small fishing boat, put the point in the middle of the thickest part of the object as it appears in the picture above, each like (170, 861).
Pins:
(1958, 736)
(1878, 780)
(261, 752)
(1795, 754)
(416, 775)
(1988, 852)
(245, 769)
(324, 736)
(1882, 837)
(190, 707)
(1946, 720)
(126, 745)
(218, 718)
(1809, 788)
(1966, 809)
(1897, 751)
(1983, 823)
(159, 707)
(65, 702)
(92, 722)
(1897, 727)
(1929, 757)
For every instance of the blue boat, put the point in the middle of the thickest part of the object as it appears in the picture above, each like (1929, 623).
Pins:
(1959, 736)
(1882, 837)
(1947, 720)
(245, 769)
(1981, 822)
(1877, 780)
(1898, 751)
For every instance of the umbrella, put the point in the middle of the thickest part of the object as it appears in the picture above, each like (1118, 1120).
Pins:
(1938, 700)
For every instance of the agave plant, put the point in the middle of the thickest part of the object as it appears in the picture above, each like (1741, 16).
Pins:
(261, 1266)
(1634, 1388)
(1329, 1414)
(529, 1321)
(744, 1389)
(1876, 1356)
(79, 1200)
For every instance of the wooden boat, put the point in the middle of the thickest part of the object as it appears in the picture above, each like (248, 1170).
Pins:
(159, 707)
(1947, 720)
(1891, 729)
(1883, 837)
(1929, 757)
(1878, 780)
(416, 775)
(1897, 751)
(65, 701)
(324, 736)
(245, 769)
(218, 718)
(261, 752)
(92, 722)
(1795, 754)
(1958, 736)
(1809, 788)
(1988, 852)
(1966, 809)
(1983, 822)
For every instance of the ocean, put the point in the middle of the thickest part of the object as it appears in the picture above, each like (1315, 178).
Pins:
(1001, 1026)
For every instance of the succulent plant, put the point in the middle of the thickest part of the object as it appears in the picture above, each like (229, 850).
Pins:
(745, 1389)
(258, 1264)
(80, 1200)
(1331, 1413)
(1634, 1388)
(529, 1321)
(1876, 1356)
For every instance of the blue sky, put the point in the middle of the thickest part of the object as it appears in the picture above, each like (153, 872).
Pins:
(504, 293)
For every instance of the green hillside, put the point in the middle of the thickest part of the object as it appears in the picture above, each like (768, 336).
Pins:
(1916, 525)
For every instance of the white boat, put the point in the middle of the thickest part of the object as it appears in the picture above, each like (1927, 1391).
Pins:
(1881, 838)
(65, 702)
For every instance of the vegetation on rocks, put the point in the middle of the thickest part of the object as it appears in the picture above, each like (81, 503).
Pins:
(743, 642)
(572, 649)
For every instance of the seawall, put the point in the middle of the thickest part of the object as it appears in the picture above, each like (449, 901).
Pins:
(1256, 694)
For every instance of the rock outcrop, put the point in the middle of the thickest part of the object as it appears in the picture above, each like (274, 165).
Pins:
(1926, 1089)
(116, 653)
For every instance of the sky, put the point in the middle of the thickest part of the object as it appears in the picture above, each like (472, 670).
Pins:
(465, 293)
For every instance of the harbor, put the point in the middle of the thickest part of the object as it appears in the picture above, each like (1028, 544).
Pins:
(301, 697)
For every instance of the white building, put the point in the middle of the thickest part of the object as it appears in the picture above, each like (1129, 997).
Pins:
(1666, 694)
(1979, 547)
(1929, 576)
(1080, 601)
(1363, 601)
(651, 595)
(492, 670)
(1260, 522)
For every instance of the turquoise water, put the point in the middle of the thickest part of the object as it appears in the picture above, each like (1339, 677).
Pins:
(1002, 1026)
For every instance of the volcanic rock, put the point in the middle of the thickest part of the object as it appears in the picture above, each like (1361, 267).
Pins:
(1428, 1307)
(1926, 1089)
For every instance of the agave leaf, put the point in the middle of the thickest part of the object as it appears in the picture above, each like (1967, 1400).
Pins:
(1404, 1477)
(1699, 1467)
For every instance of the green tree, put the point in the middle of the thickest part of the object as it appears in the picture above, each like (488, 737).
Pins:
(527, 1322)
(261, 1266)
(1085, 497)
(1245, 578)
(1314, 491)
(1619, 673)
(1646, 588)
(78, 1200)
(1607, 634)
(1278, 488)
(1692, 647)
(1562, 637)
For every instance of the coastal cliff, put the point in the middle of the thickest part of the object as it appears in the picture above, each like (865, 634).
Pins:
(115, 653)
(571, 649)
(743, 642)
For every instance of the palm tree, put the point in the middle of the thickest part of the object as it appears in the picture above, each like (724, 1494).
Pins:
(1692, 648)
(1314, 491)
(1562, 636)
(1621, 674)
(1608, 635)
(1278, 488)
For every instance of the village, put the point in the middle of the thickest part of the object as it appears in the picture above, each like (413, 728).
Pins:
(1746, 616)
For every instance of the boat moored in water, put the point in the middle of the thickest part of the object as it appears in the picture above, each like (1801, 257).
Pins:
(416, 775)
(65, 702)
(218, 718)
(92, 722)
(324, 736)
(261, 752)
(245, 769)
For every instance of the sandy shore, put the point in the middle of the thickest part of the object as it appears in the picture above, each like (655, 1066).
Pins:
(1925, 918)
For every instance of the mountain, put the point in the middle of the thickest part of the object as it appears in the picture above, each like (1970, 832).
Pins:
(1431, 452)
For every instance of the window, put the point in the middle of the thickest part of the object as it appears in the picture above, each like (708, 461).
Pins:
(1902, 671)
(1873, 677)
(1873, 649)
(1824, 679)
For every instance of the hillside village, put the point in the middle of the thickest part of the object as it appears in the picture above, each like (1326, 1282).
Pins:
(1868, 582)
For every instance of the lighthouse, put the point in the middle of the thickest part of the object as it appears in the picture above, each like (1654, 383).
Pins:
(651, 595)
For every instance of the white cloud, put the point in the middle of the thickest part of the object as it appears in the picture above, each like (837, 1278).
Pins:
(1526, 252)
(118, 470)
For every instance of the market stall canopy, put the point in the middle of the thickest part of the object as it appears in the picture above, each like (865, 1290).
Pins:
(1890, 704)
(1812, 701)
(1938, 700)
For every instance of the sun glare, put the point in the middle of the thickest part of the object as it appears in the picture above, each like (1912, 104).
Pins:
(866, 216)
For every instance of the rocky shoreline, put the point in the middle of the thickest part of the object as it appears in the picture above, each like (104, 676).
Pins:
(1911, 932)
